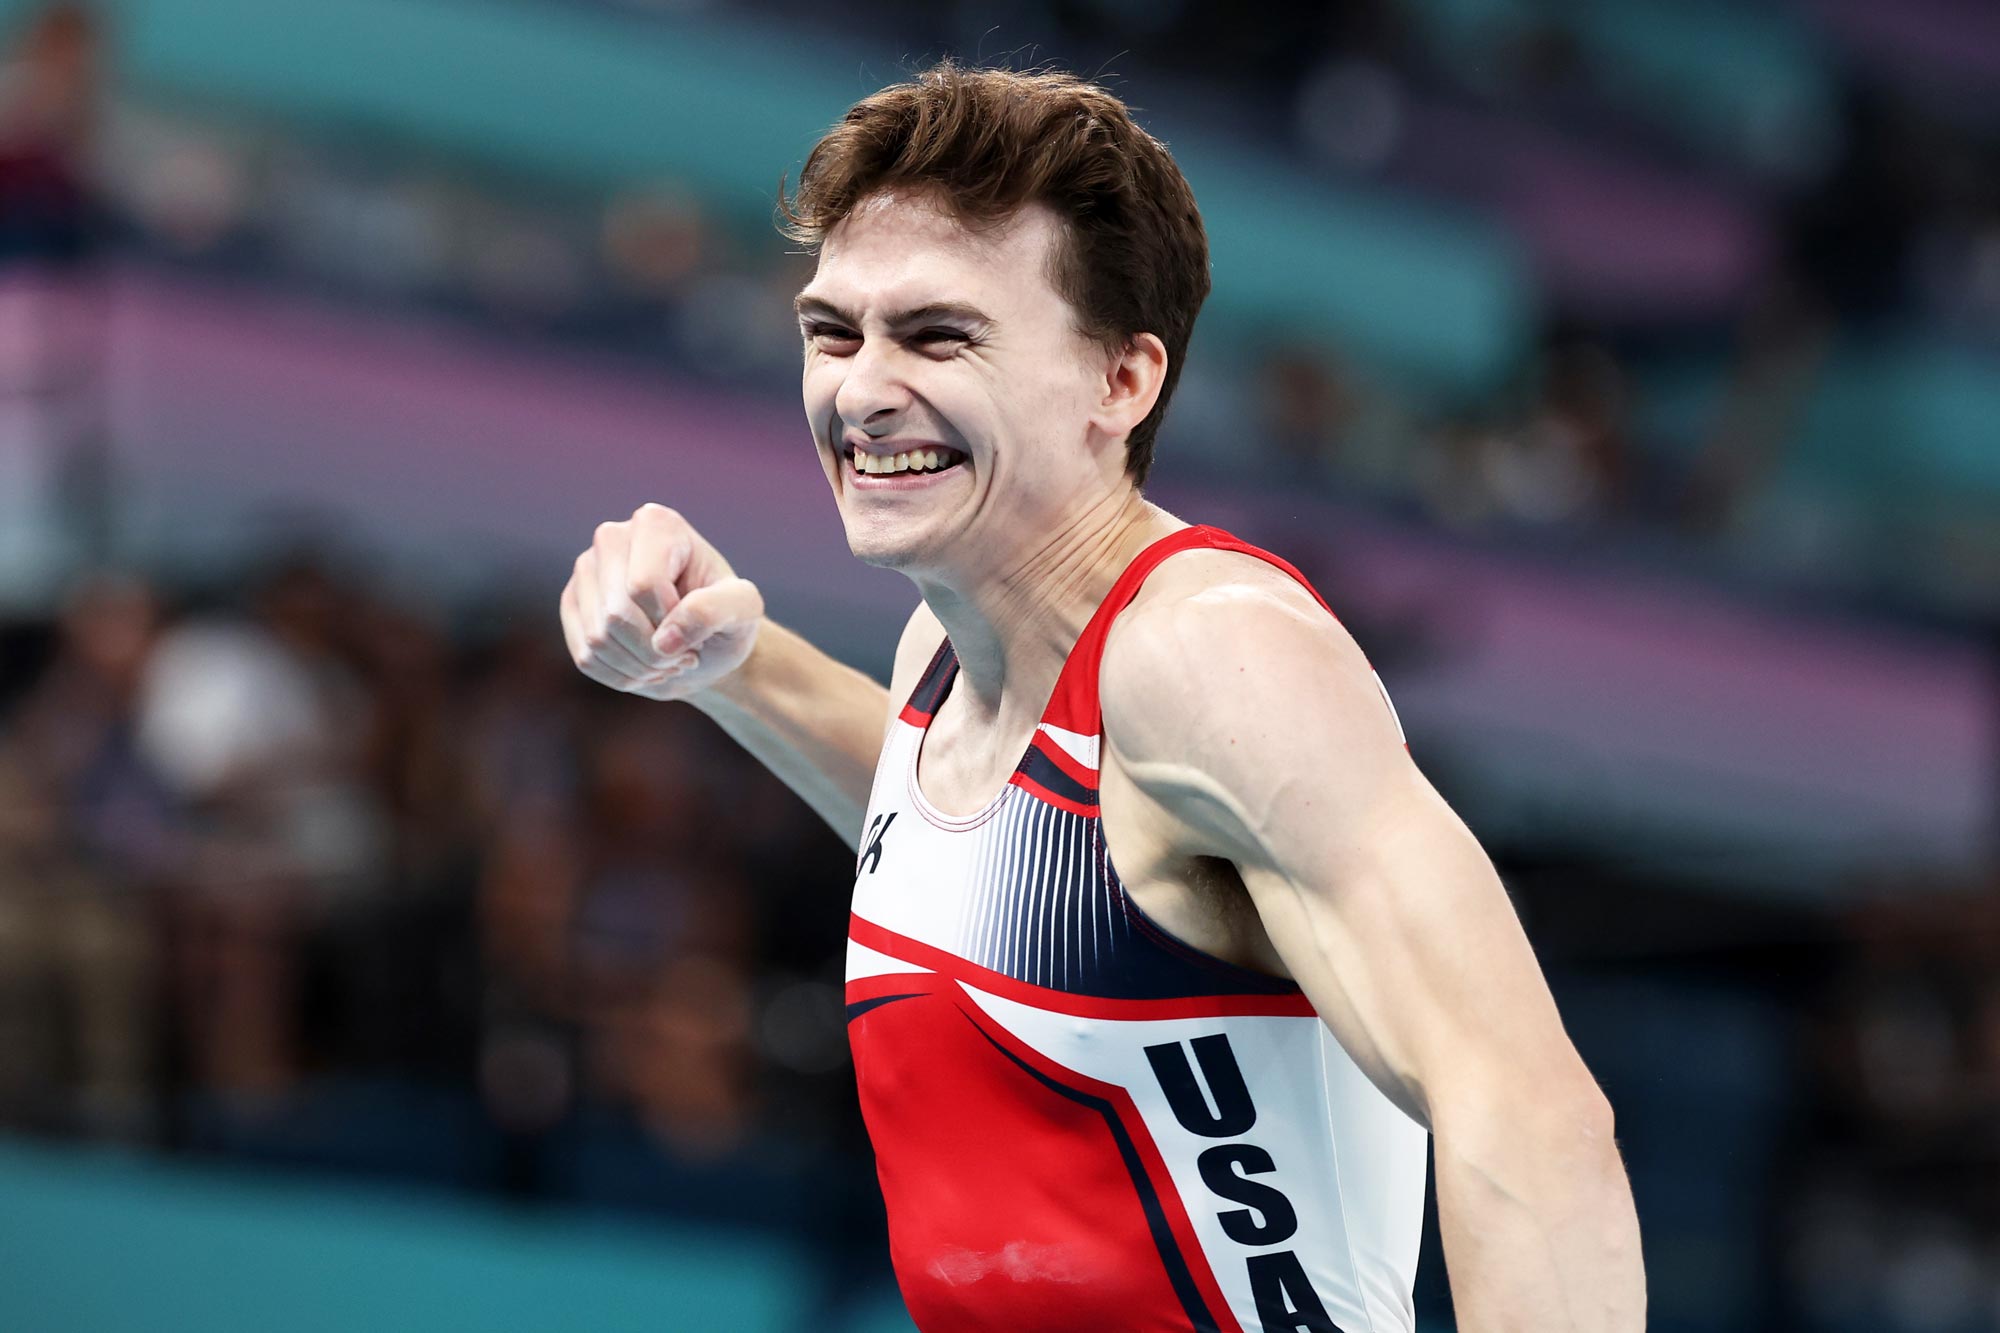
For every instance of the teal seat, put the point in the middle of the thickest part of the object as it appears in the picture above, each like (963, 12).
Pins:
(97, 1243)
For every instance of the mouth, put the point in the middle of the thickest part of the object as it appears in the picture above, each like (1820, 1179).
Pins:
(911, 467)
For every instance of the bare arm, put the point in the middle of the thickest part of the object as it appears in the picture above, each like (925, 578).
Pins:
(815, 722)
(652, 609)
(1390, 916)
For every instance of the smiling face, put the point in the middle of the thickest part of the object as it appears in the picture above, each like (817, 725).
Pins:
(922, 339)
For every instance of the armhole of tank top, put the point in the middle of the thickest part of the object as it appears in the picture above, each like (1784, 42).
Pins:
(1140, 919)
(1144, 923)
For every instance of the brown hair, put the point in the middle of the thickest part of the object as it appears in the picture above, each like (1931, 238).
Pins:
(1133, 256)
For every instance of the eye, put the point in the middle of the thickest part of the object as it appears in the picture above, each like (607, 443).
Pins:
(932, 337)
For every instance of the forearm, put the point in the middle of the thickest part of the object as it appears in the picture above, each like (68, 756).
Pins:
(1540, 1234)
(815, 722)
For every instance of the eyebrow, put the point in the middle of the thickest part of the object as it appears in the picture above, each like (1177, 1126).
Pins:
(813, 305)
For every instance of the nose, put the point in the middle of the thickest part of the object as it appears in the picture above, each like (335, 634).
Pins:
(872, 391)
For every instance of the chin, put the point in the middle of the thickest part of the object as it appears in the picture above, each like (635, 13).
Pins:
(880, 550)
(897, 546)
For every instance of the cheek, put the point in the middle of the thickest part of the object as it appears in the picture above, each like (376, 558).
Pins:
(818, 386)
(1047, 390)
(1048, 409)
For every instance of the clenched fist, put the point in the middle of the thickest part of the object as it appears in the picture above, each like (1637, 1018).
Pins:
(654, 610)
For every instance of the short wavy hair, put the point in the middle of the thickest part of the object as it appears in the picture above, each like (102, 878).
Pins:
(1133, 254)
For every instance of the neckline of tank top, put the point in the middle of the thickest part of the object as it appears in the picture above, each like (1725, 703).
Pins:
(959, 823)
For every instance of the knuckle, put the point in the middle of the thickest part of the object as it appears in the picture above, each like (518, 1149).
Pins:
(608, 530)
(619, 614)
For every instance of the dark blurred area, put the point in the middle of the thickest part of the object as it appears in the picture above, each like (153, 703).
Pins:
(297, 873)
(316, 853)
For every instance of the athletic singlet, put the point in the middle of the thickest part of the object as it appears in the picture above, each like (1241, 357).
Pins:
(1081, 1124)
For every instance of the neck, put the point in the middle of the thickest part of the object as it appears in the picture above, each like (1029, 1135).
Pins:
(1013, 627)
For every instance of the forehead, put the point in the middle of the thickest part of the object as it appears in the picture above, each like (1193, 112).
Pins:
(895, 247)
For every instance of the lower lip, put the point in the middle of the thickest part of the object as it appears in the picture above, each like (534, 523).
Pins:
(895, 481)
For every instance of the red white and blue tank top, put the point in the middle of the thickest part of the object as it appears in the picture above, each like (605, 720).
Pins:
(1082, 1124)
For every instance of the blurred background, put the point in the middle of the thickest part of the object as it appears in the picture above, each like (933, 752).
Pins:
(1626, 373)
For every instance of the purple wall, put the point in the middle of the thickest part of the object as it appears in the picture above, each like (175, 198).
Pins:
(1638, 710)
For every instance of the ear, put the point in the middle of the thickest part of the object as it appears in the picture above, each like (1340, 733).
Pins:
(1131, 385)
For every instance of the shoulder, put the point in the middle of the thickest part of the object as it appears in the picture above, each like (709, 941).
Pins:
(1226, 666)
(1208, 626)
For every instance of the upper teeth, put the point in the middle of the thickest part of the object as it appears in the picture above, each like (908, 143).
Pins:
(913, 460)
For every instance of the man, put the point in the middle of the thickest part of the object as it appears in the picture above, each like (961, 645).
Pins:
(1164, 955)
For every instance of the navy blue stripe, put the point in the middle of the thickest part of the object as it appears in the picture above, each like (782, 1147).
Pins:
(860, 1007)
(1156, 1218)
(1043, 769)
(931, 686)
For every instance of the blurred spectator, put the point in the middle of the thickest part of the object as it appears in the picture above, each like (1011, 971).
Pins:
(678, 1053)
(1307, 409)
(49, 96)
(51, 308)
(257, 725)
(1567, 463)
(1563, 462)
(1896, 1223)
(657, 240)
(1781, 345)
(87, 836)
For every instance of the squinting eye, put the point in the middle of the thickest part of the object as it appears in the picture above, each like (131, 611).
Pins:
(818, 333)
(941, 335)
